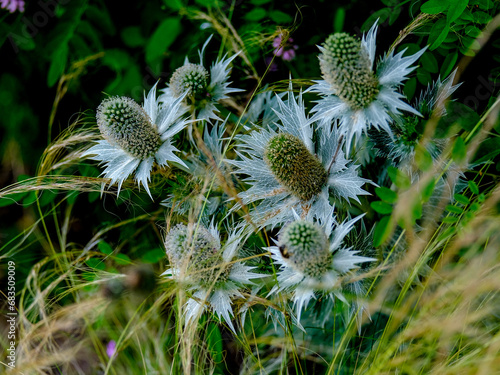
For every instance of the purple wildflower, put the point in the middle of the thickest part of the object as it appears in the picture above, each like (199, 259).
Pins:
(284, 50)
(12, 5)
(111, 348)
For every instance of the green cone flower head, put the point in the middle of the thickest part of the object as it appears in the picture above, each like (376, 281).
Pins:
(124, 123)
(200, 250)
(190, 78)
(305, 245)
(294, 166)
(346, 66)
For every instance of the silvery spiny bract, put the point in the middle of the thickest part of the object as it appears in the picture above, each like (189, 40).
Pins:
(202, 88)
(293, 168)
(408, 130)
(355, 94)
(206, 168)
(213, 275)
(136, 137)
(311, 258)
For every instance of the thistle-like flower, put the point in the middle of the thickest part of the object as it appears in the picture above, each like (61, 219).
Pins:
(214, 277)
(311, 258)
(289, 168)
(355, 94)
(135, 137)
(201, 89)
(399, 150)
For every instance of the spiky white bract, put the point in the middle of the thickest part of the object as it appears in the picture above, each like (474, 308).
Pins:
(203, 88)
(295, 277)
(400, 149)
(136, 151)
(213, 275)
(276, 196)
(379, 110)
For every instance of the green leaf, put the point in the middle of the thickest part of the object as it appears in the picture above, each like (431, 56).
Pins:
(428, 190)
(482, 4)
(429, 62)
(394, 15)
(454, 209)
(57, 65)
(162, 38)
(450, 220)
(122, 259)
(383, 230)
(97, 264)
(434, 6)
(381, 207)
(72, 196)
(459, 114)
(446, 234)
(456, 10)
(448, 64)
(30, 198)
(459, 151)
(481, 17)
(462, 199)
(280, 17)
(174, 4)
(214, 342)
(424, 77)
(473, 187)
(472, 31)
(11, 199)
(259, 2)
(386, 194)
(153, 256)
(438, 33)
(381, 15)
(132, 36)
(256, 14)
(46, 197)
(339, 19)
(105, 247)
(400, 179)
(410, 87)
(423, 158)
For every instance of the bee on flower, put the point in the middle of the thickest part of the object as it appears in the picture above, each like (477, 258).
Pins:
(311, 259)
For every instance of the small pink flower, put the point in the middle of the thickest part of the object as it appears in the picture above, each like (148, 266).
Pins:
(111, 348)
(289, 55)
(284, 50)
(12, 5)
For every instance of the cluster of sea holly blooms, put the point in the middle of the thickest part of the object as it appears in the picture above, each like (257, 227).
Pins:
(294, 166)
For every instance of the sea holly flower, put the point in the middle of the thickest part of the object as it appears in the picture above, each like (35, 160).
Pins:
(311, 259)
(135, 137)
(210, 269)
(353, 93)
(290, 167)
(200, 87)
(407, 131)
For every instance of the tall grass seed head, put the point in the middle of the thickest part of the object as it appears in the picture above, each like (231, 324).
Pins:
(190, 78)
(294, 166)
(306, 246)
(201, 251)
(124, 123)
(345, 64)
